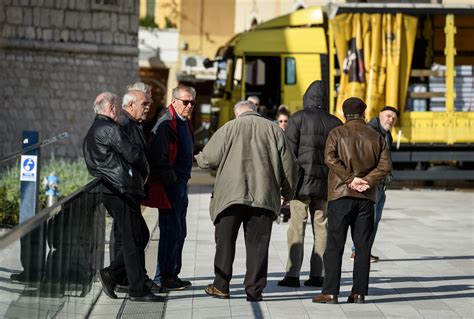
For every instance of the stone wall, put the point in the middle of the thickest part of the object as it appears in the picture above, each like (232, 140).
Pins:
(55, 57)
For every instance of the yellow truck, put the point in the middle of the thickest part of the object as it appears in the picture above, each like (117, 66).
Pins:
(416, 57)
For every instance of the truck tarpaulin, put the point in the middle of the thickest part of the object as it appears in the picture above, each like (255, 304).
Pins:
(375, 54)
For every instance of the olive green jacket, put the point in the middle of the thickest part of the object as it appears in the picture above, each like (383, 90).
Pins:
(255, 165)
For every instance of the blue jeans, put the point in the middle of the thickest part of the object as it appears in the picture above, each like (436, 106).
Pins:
(378, 208)
(172, 223)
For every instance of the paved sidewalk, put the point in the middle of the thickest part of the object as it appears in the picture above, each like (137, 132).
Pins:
(425, 242)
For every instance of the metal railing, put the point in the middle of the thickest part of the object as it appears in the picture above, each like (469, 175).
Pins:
(50, 262)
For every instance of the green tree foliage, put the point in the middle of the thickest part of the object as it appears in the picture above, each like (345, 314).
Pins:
(148, 22)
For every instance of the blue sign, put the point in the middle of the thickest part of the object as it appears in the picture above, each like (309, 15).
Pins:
(28, 170)
(28, 164)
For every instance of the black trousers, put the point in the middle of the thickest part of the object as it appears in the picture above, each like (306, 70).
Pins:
(257, 230)
(134, 234)
(342, 213)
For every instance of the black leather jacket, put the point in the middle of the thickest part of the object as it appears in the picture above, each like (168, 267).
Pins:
(109, 154)
(134, 131)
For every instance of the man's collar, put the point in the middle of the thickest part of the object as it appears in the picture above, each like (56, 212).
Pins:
(247, 113)
(127, 114)
(182, 118)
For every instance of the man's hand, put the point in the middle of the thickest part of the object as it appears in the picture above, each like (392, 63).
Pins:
(359, 185)
(285, 201)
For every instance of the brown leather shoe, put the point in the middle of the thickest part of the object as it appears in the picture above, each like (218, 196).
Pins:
(356, 298)
(213, 291)
(323, 298)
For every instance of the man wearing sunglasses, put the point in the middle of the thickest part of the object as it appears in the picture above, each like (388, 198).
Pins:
(171, 159)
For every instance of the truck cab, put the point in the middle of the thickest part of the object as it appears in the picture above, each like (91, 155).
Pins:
(278, 59)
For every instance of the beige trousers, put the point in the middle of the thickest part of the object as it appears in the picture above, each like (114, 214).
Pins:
(296, 232)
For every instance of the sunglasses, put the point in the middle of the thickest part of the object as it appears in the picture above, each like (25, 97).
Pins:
(186, 102)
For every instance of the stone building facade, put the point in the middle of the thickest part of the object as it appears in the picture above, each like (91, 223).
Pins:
(55, 57)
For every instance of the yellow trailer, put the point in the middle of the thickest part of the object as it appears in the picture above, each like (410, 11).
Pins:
(415, 57)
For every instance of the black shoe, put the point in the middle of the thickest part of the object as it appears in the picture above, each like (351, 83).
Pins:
(290, 282)
(314, 282)
(23, 278)
(153, 286)
(149, 297)
(185, 283)
(356, 298)
(148, 282)
(124, 289)
(254, 299)
(108, 283)
(173, 285)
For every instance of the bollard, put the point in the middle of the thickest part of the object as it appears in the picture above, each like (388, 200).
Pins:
(52, 189)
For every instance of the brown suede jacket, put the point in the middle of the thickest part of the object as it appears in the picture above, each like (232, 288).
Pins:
(355, 150)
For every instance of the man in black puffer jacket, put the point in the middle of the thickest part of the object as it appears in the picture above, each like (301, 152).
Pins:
(307, 132)
(111, 155)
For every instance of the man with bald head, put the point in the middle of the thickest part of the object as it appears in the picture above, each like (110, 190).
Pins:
(383, 124)
(255, 167)
(110, 154)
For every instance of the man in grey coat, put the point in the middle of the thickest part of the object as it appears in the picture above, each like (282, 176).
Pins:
(255, 167)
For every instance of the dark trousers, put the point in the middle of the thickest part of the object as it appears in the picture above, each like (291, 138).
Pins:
(342, 213)
(130, 260)
(173, 231)
(257, 230)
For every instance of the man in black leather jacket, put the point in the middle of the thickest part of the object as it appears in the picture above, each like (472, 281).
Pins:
(110, 154)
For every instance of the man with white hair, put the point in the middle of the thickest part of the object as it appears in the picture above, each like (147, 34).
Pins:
(135, 106)
(111, 155)
(255, 167)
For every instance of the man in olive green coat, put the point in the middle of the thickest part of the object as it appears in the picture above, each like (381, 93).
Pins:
(255, 167)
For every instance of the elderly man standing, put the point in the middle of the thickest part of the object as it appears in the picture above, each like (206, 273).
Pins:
(171, 161)
(110, 154)
(255, 167)
(358, 160)
(382, 124)
(135, 106)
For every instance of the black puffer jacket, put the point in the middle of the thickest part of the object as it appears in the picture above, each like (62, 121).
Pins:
(307, 132)
(109, 154)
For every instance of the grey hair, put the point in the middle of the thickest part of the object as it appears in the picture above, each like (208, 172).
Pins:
(246, 105)
(103, 100)
(129, 97)
(188, 89)
(254, 99)
(139, 86)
